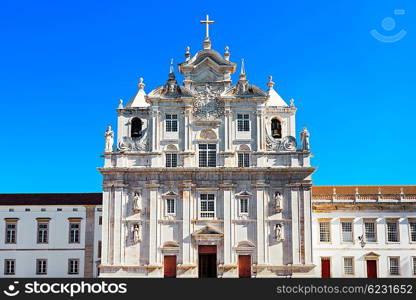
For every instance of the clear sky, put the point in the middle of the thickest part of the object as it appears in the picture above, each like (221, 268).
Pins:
(65, 65)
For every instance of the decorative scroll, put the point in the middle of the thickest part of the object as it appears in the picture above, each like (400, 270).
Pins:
(136, 144)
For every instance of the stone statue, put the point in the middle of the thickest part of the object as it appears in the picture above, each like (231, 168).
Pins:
(109, 139)
(279, 234)
(137, 202)
(136, 233)
(304, 137)
(278, 198)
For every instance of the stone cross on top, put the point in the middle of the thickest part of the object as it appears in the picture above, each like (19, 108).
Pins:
(207, 22)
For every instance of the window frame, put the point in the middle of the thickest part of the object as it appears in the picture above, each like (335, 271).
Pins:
(201, 212)
(410, 222)
(398, 265)
(38, 261)
(352, 265)
(329, 231)
(413, 264)
(6, 234)
(397, 224)
(240, 206)
(78, 240)
(208, 155)
(44, 240)
(245, 159)
(167, 213)
(6, 267)
(375, 231)
(69, 266)
(243, 122)
(342, 231)
(173, 163)
(171, 122)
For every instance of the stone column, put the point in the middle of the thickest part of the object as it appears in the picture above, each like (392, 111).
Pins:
(227, 131)
(227, 189)
(294, 198)
(307, 217)
(260, 131)
(118, 225)
(186, 224)
(89, 241)
(261, 205)
(187, 133)
(106, 232)
(153, 188)
(155, 130)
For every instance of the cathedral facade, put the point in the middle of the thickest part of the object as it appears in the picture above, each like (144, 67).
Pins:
(207, 178)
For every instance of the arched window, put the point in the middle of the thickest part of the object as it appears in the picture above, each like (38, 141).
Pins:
(136, 127)
(276, 128)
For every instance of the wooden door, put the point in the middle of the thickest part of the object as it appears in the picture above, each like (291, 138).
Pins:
(170, 266)
(207, 261)
(371, 268)
(244, 266)
(325, 267)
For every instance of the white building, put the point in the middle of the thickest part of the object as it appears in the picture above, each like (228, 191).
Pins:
(207, 179)
(364, 231)
(50, 235)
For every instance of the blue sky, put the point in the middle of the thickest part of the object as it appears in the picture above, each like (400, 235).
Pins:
(64, 65)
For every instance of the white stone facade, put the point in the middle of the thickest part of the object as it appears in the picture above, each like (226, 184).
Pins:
(25, 248)
(219, 153)
(369, 231)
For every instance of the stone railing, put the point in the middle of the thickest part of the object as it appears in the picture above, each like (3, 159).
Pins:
(364, 197)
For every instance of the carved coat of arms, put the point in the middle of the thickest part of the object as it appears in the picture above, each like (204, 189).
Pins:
(207, 104)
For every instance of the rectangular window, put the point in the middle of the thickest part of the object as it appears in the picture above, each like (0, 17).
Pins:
(414, 265)
(99, 249)
(243, 160)
(347, 235)
(11, 232)
(243, 122)
(43, 228)
(207, 155)
(171, 160)
(324, 232)
(394, 266)
(41, 266)
(9, 267)
(171, 123)
(207, 205)
(348, 266)
(412, 229)
(370, 231)
(244, 206)
(74, 232)
(73, 266)
(392, 231)
(170, 206)
(100, 220)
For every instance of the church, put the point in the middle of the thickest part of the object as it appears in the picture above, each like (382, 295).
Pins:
(207, 178)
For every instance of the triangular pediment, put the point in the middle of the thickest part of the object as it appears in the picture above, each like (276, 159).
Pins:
(207, 230)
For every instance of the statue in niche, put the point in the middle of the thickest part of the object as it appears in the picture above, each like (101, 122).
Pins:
(137, 202)
(136, 233)
(109, 139)
(278, 232)
(304, 137)
(278, 202)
